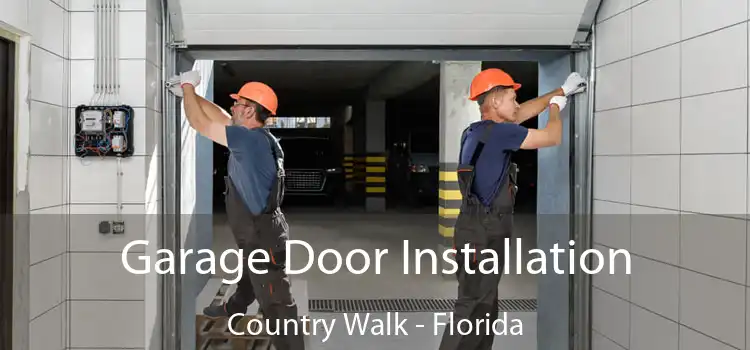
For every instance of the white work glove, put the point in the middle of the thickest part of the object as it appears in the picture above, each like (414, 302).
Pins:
(574, 84)
(560, 101)
(174, 85)
(192, 77)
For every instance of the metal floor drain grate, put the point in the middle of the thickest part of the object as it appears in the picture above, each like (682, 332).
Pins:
(409, 305)
(393, 305)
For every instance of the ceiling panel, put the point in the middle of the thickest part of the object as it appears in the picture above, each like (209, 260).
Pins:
(393, 22)
(385, 6)
(383, 22)
(294, 75)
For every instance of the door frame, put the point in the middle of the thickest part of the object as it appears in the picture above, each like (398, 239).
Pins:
(170, 285)
(7, 176)
(562, 314)
(582, 134)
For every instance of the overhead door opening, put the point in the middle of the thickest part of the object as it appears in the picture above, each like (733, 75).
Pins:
(416, 112)
(348, 129)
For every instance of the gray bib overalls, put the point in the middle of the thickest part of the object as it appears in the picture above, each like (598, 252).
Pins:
(268, 231)
(482, 228)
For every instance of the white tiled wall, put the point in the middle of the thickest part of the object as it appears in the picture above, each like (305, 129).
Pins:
(671, 174)
(99, 285)
(48, 180)
(76, 279)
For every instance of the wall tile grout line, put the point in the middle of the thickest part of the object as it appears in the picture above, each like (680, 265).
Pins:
(629, 8)
(630, 168)
(747, 165)
(105, 252)
(675, 212)
(46, 259)
(31, 211)
(679, 42)
(679, 324)
(46, 311)
(62, 6)
(48, 104)
(608, 338)
(69, 291)
(740, 284)
(615, 155)
(96, 300)
(99, 348)
(679, 184)
(120, 59)
(673, 99)
(121, 10)
(630, 302)
(36, 45)
(108, 204)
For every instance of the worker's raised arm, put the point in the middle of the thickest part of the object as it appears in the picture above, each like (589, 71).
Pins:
(532, 108)
(197, 118)
(574, 84)
(214, 112)
(551, 135)
(210, 109)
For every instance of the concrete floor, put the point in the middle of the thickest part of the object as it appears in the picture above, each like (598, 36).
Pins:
(344, 231)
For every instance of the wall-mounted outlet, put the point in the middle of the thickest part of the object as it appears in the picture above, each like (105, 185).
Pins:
(104, 227)
(118, 227)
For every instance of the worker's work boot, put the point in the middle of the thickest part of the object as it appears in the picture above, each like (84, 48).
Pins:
(216, 311)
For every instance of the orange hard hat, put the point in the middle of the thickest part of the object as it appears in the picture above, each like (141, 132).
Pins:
(488, 79)
(259, 93)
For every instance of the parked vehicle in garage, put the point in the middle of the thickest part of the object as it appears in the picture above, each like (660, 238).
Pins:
(312, 169)
(424, 167)
(424, 173)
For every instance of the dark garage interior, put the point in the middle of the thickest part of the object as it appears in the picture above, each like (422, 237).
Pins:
(321, 119)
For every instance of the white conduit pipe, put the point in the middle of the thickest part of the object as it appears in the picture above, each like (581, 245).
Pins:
(117, 50)
(103, 58)
(97, 55)
(108, 86)
(96, 50)
(112, 52)
(109, 52)
(105, 62)
(103, 34)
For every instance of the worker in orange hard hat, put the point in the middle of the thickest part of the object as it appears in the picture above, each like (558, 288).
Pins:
(254, 192)
(487, 182)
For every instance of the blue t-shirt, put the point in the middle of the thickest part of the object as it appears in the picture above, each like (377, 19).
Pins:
(491, 165)
(251, 165)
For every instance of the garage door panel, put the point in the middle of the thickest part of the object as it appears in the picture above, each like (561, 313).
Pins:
(380, 37)
(385, 6)
(377, 22)
(383, 22)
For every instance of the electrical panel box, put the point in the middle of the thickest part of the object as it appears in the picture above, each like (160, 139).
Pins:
(105, 131)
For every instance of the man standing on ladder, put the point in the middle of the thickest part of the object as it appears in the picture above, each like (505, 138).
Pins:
(255, 190)
(487, 182)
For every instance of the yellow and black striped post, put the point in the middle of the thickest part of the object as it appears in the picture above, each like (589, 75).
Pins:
(348, 166)
(375, 175)
(450, 199)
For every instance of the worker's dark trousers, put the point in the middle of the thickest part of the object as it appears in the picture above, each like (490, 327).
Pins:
(269, 232)
(481, 228)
